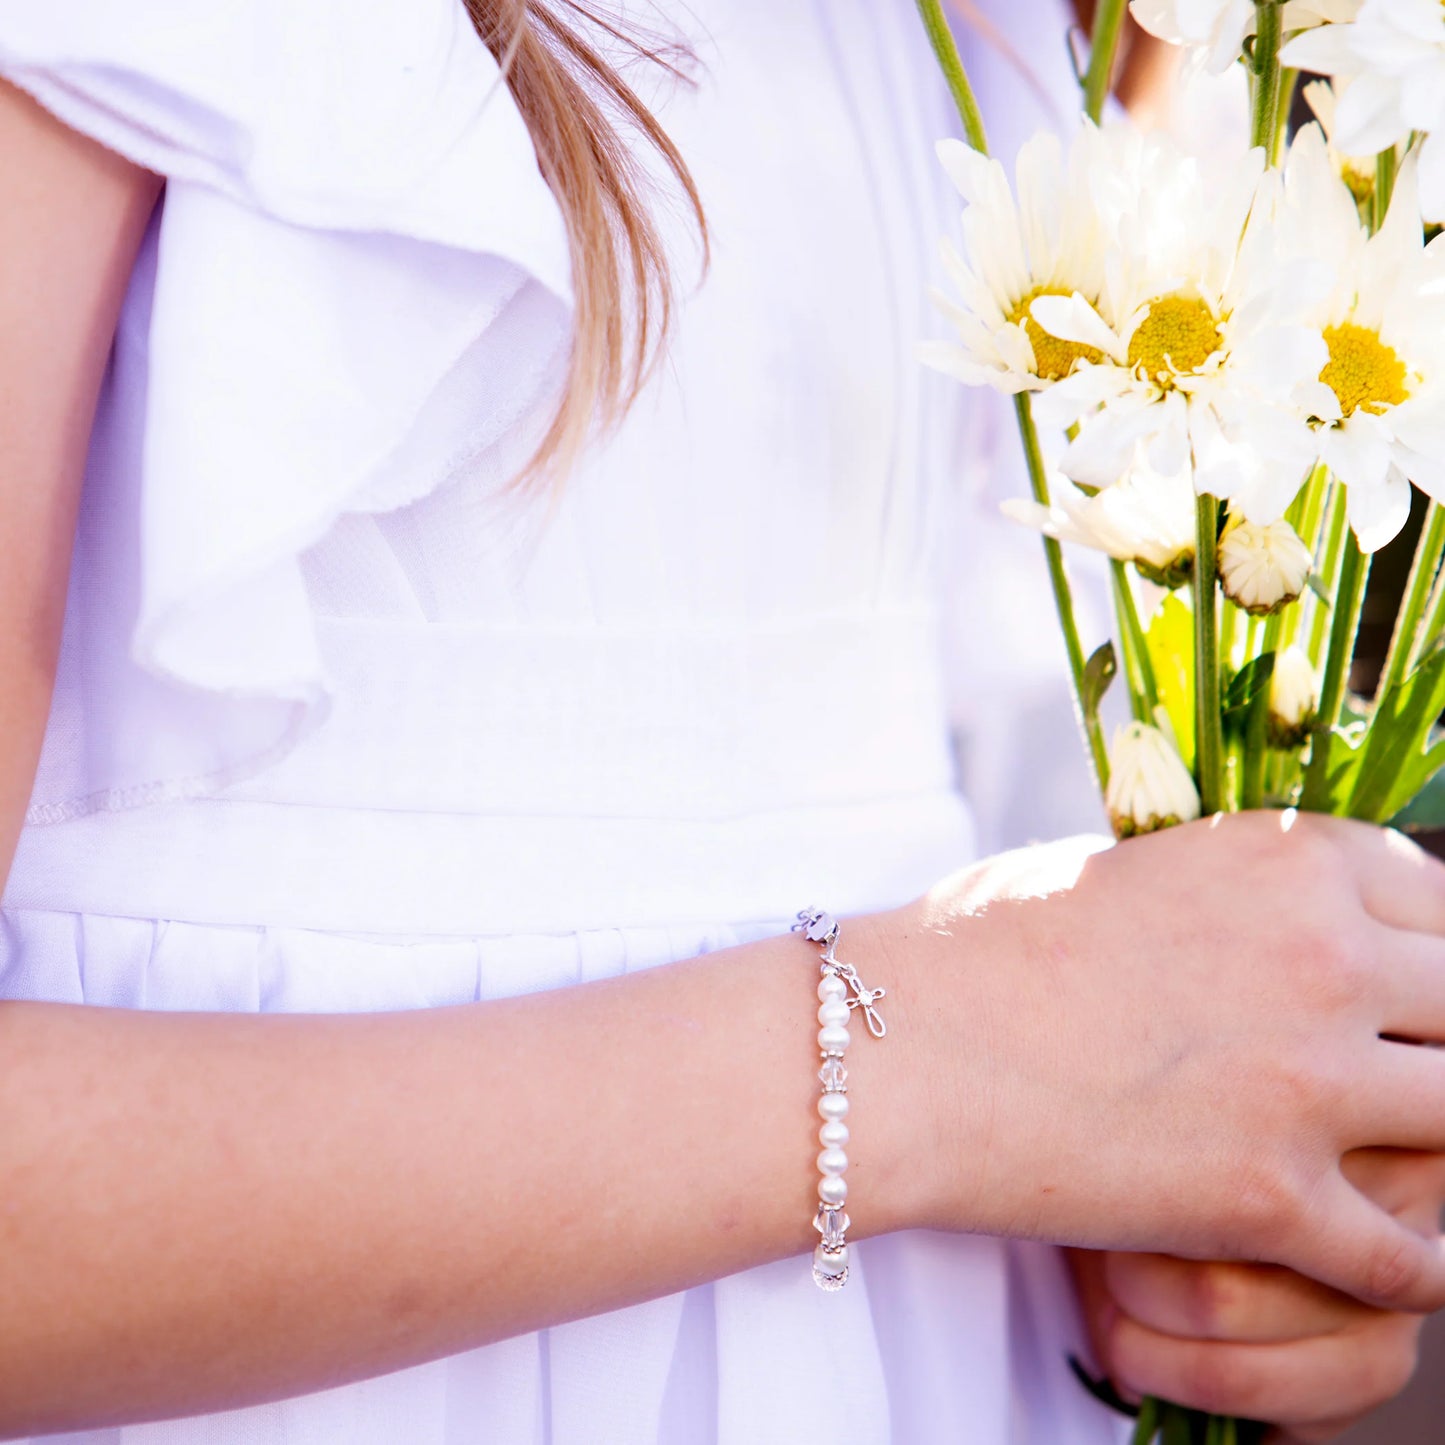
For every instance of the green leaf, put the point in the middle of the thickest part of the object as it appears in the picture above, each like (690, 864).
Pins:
(1170, 640)
(1329, 792)
(1397, 758)
(1248, 687)
(1099, 671)
(1425, 813)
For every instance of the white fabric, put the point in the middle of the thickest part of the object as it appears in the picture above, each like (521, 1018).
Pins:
(341, 725)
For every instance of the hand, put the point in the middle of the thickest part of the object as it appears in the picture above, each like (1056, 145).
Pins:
(1257, 1341)
(1170, 1045)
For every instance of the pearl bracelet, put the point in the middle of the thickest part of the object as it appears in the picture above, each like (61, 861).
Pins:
(830, 1258)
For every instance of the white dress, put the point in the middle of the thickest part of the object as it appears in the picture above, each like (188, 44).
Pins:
(341, 725)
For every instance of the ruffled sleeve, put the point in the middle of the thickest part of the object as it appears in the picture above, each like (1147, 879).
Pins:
(356, 286)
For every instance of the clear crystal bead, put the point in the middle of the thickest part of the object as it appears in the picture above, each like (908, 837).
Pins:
(833, 1076)
(832, 1224)
(830, 1267)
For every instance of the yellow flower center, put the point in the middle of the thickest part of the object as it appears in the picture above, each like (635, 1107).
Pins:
(1363, 373)
(1361, 182)
(1175, 339)
(1054, 359)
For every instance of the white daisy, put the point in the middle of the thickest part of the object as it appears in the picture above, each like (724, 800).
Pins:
(1380, 398)
(1217, 28)
(1357, 171)
(1048, 239)
(1145, 519)
(1198, 374)
(1393, 53)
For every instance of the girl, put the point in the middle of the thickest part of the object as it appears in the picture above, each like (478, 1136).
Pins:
(376, 782)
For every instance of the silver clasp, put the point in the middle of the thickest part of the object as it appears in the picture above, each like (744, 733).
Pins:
(822, 928)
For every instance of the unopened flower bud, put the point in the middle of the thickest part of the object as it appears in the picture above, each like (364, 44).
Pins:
(1149, 786)
(1263, 566)
(1294, 699)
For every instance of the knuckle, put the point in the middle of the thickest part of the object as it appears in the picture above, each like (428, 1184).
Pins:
(1392, 1271)
(1218, 1380)
(1328, 964)
(1214, 1296)
(1312, 843)
(1395, 1367)
(1269, 1205)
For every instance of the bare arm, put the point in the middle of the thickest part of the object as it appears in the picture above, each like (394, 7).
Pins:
(201, 1211)
(232, 1209)
(71, 218)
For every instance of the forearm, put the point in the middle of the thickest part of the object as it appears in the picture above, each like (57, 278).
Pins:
(203, 1211)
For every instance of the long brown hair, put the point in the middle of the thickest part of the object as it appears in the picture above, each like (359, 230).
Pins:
(582, 114)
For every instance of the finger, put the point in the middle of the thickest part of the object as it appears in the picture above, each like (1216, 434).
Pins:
(1241, 1303)
(1323, 1432)
(1096, 1304)
(1354, 1246)
(1399, 882)
(1298, 1384)
(1410, 968)
(1407, 1183)
(1403, 1106)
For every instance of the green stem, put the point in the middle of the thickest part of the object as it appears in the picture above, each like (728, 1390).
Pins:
(1401, 656)
(1267, 74)
(1256, 748)
(1139, 666)
(1147, 1426)
(945, 48)
(1251, 637)
(1434, 624)
(1307, 515)
(1208, 729)
(1103, 48)
(1384, 188)
(1349, 601)
(1288, 82)
(1228, 619)
(1329, 571)
(1063, 596)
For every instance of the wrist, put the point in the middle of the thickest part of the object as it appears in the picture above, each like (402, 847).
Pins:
(908, 1090)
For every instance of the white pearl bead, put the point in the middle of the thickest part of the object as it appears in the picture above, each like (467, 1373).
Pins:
(833, 1134)
(834, 1011)
(831, 1262)
(832, 1189)
(832, 1161)
(833, 1106)
(834, 1038)
(831, 986)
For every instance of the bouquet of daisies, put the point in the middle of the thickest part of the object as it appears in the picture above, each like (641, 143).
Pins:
(1234, 363)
